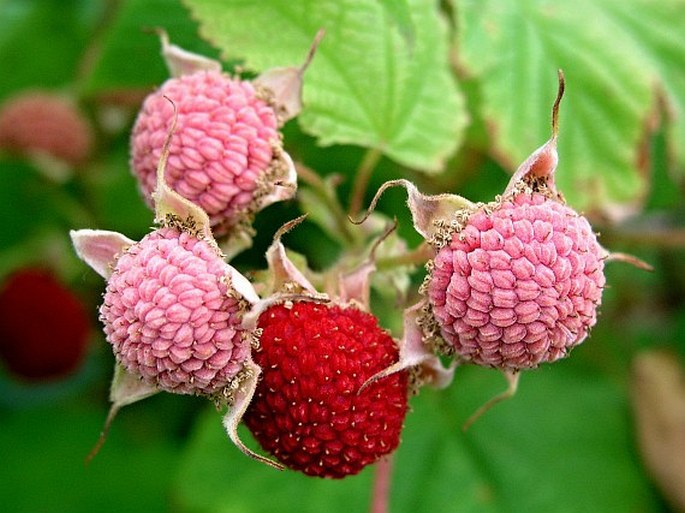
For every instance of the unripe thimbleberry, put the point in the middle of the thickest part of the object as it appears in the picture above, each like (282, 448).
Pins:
(226, 153)
(513, 283)
(41, 122)
(172, 314)
(44, 327)
(519, 284)
(310, 410)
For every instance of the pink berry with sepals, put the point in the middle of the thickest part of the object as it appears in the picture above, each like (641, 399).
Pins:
(172, 314)
(519, 284)
(226, 154)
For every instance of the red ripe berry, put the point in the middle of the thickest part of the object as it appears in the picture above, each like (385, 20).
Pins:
(44, 328)
(308, 411)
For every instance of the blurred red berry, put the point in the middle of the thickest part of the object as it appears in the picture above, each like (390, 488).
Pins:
(45, 122)
(44, 327)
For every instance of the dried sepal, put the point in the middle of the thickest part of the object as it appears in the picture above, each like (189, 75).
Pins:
(173, 209)
(240, 400)
(283, 280)
(280, 182)
(431, 215)
(537, 171)
(284, 84)
(182, 62)
(355, 286)
(417, 355)
(99, 248)
(284, 274)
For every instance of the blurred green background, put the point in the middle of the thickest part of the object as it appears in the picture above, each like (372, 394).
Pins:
(565, 443)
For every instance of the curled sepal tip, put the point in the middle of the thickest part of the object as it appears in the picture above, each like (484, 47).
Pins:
(356, 285)
(182, 62)
(430, 214)
(283, 272)
(285, 83)
(99, 248)
(285, 281)
(539, 168)
(416, 355)
(171, 207)
(512, 377)
(125, 389)
(241, 400)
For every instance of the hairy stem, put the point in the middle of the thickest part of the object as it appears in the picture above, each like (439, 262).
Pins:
(311, 178)
(361, 180)
(380, 493)
(418, 256)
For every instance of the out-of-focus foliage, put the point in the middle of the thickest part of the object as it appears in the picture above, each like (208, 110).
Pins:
(466, 83)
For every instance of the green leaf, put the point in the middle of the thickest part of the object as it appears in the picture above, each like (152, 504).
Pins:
(42, 42)
(367, 85)
(562, 444)
(43, 451)
(217, 477)
(400, 12)
(657, 28)
(514, 50)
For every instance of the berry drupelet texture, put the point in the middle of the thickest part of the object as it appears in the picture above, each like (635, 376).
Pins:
(172, 316)
(308, 410)
(519, 285)
(225, 151)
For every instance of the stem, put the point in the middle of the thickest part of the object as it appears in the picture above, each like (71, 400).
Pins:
(420, 255)
(380, 498)
(361, 179)
(311, 178)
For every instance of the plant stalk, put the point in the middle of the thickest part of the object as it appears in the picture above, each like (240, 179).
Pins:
(380, 493)
(361, 180)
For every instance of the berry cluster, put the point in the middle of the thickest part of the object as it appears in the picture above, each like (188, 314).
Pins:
(322, 387)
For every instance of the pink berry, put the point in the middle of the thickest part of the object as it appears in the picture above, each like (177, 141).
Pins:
(519, 284)
(45, 122)
(308, 411)
(172, 314)
(226, 152)
(44, 327)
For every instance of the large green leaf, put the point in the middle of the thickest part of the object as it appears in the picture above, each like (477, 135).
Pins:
(561, 445)
(369, 84)
(43, 468)
(657, 28)
(514, 50)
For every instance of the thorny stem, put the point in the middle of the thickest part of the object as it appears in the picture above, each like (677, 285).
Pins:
(380, 493)
(311, 178)
(361, 179)
(420, 255)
